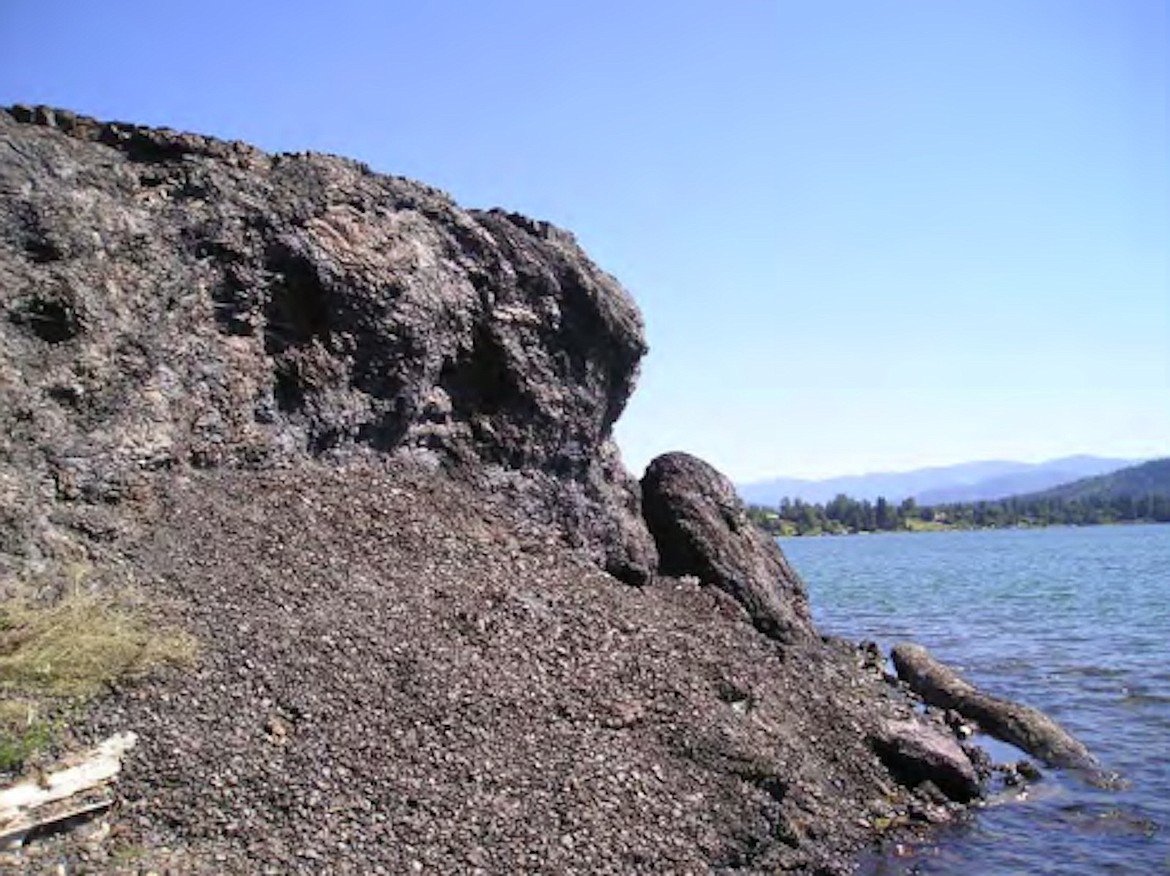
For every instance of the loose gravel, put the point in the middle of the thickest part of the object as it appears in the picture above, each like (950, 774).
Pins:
(397, 675)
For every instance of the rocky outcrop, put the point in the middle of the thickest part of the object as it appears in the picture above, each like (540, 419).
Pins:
(701, 528)
(174, 300)
(398, 668)
(1023, 726)
(340, 431)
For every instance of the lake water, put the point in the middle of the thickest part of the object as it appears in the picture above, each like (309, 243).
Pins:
(1073, 621)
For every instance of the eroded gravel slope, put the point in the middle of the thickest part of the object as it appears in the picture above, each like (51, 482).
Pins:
(398, 675)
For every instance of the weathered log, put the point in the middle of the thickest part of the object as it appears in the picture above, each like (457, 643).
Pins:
(27, 805)
(1020, 725)
(17, 833)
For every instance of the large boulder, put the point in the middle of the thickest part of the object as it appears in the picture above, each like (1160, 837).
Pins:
(701, 528)
(293, 401)
(172, 300)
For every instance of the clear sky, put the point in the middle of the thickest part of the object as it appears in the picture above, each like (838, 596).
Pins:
(864, 236)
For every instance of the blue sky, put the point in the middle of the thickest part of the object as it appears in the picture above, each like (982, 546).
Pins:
(864, 236)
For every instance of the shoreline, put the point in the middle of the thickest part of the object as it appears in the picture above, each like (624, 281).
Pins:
(931, 530)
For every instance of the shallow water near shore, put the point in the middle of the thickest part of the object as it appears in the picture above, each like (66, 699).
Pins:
(1075, 621)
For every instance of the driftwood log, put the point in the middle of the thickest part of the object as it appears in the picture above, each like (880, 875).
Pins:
(58, 796)
(1022, 726)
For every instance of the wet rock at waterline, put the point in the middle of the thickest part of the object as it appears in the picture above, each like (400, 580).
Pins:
(1023, 726)
(917, 751)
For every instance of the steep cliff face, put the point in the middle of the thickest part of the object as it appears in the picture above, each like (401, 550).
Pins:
(175, 300)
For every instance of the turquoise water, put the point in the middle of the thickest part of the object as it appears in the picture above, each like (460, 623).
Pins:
(1073, 621)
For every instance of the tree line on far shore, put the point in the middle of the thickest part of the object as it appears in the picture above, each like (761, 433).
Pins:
(845, 515)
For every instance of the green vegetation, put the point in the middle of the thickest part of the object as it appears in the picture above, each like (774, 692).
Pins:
(55, 656)
(1138, 482)
(1140, 494)
(23, 732)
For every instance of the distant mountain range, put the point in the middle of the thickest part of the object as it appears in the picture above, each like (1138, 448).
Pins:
(1137, 482)
(966, 482)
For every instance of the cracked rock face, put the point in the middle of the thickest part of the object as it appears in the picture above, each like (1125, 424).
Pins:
(173, 300)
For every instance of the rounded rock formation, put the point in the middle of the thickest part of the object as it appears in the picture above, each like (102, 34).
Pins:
(701, 528)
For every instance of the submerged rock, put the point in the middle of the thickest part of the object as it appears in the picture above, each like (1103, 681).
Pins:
(1023, 726)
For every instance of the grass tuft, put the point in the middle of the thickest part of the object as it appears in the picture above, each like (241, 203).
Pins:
(23, 733)
(56, 656)
(80, 645)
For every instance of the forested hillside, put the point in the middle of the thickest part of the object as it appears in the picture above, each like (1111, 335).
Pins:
(1136, 482)
(1140, 493)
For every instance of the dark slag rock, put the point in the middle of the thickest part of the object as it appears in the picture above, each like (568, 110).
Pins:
(701, 528)
(918, 752)
(242, 308)
(1023, 726)
(343, 432)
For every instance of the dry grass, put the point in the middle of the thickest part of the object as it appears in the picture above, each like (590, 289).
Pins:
(80, 645)
(55, 656)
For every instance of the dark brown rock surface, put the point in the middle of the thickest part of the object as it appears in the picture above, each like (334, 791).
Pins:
(921, 752)
(701, 528)
(400, 669)
(170, 299)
